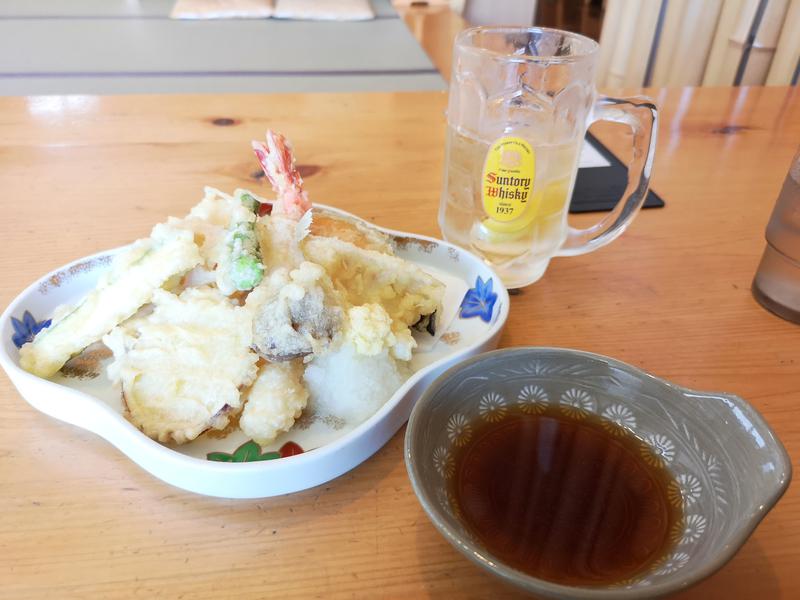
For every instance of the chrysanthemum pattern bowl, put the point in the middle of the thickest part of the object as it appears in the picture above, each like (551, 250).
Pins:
(729, 467)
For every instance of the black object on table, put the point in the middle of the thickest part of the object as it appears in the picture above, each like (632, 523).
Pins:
(600, 188)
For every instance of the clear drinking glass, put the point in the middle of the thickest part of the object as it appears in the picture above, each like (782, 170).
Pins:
(777, 282)
(520, 103)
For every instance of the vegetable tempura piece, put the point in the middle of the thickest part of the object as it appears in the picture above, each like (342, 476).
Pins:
(405, 291)
(347, 230)
(181, 367)
(295, 313)
(209, 221)
(246, 269)
(130, 284)
(276, 399)
(240, 267)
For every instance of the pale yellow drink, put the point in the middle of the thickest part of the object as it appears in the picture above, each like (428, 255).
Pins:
(532, 236)
(520, 101)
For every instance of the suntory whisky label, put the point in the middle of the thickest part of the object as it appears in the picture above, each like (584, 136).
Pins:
(508, 175)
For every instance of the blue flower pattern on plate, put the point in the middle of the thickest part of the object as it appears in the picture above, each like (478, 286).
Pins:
(26, 329)
(479, 301)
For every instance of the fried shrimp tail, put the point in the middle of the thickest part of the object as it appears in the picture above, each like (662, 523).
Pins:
(277, 161)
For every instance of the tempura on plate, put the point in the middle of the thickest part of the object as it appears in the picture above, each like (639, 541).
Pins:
(225, 313)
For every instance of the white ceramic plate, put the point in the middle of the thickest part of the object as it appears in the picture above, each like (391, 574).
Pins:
(476, 310)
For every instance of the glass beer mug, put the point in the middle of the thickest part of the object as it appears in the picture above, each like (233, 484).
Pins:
(520, 103)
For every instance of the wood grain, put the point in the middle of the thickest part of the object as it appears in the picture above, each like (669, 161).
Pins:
(80, 174)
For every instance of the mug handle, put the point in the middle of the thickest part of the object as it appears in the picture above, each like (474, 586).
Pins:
(641, 115)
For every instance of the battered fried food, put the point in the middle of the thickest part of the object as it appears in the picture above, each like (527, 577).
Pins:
(189, 312)
(371, 330)
(182, 366)
(358, 234)
(275, 401)
(296, 313)
(405, 291)
(122, 291)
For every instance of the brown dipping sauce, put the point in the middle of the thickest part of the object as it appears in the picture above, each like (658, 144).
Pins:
(562, 499)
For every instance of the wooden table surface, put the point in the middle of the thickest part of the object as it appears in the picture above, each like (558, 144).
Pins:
(81, 174)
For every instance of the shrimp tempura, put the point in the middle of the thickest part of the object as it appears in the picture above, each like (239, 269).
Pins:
(277, 161)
